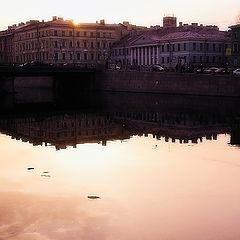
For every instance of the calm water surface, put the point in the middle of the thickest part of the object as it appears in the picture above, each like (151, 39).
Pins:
(161, 172)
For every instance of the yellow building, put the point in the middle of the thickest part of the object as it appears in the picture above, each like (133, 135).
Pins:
(61, 41)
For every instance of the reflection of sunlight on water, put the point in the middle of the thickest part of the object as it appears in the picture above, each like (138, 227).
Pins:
(149, 189)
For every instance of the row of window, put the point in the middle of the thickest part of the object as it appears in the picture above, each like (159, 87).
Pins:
(213, 47)
(61, 44)
(195, 59)
(83, 123)
(84, 56)
(89, 132)
(35, 34)
(85, 34)
(45, 56)
(85, 44)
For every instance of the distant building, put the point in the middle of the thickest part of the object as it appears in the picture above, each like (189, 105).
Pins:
(235, 48)
(61, 41)
(170, 45)
(169, 22)
(6, 46)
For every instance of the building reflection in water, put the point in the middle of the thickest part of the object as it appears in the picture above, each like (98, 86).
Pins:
(169, 118)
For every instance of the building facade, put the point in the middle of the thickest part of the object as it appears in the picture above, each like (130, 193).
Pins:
(169, 46)
(235, 48)
(6, 46)
(61, 41)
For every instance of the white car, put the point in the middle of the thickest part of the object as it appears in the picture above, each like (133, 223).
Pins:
(157, 68)
(236, 72)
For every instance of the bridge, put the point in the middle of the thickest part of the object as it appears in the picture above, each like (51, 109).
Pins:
(67, 76)
(45, 70)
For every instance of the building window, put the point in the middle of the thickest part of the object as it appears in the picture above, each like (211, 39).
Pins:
(63, 56)
(78, 44)
(70, 33)
(71, 44)
(91, 34)
(55, 44)
(162, 48)
(56, 56)
(55, 33)
(184, 46)
(162, 59)
(63, 33)
(179, 47)
(194, 46)
(63, 44)
(91, 44)
(168, 48)
(201, 47)
(207, 47)
(214, 47)
(235, 48)
(78, 56)
(85, 56)
(220, 47)
(78, 34)
(71, 56)
(173, 47)
(201, 59)
(85, 44)
(194, 59)
(92, 56)
(168, 60)
(207, 59)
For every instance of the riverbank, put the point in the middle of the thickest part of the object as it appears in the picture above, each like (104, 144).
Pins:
(170, 83)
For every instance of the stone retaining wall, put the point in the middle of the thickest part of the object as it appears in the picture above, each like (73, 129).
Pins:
(171, 83)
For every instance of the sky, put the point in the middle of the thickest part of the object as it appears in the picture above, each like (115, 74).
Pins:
(208, 12)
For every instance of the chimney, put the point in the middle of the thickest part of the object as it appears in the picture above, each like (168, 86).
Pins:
(102, 22)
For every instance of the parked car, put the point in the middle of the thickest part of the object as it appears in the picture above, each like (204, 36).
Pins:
(157, 68)
(236, 72)
(210, 70)
(220, 70)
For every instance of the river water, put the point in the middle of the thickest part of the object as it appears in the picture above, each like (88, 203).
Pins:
(120, 167)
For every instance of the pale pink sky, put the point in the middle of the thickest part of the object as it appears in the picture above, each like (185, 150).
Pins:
(216, 12)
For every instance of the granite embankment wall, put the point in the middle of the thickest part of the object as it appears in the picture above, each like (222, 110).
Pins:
(170, 83)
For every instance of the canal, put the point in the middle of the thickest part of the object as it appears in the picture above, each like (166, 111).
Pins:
(119, 166)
